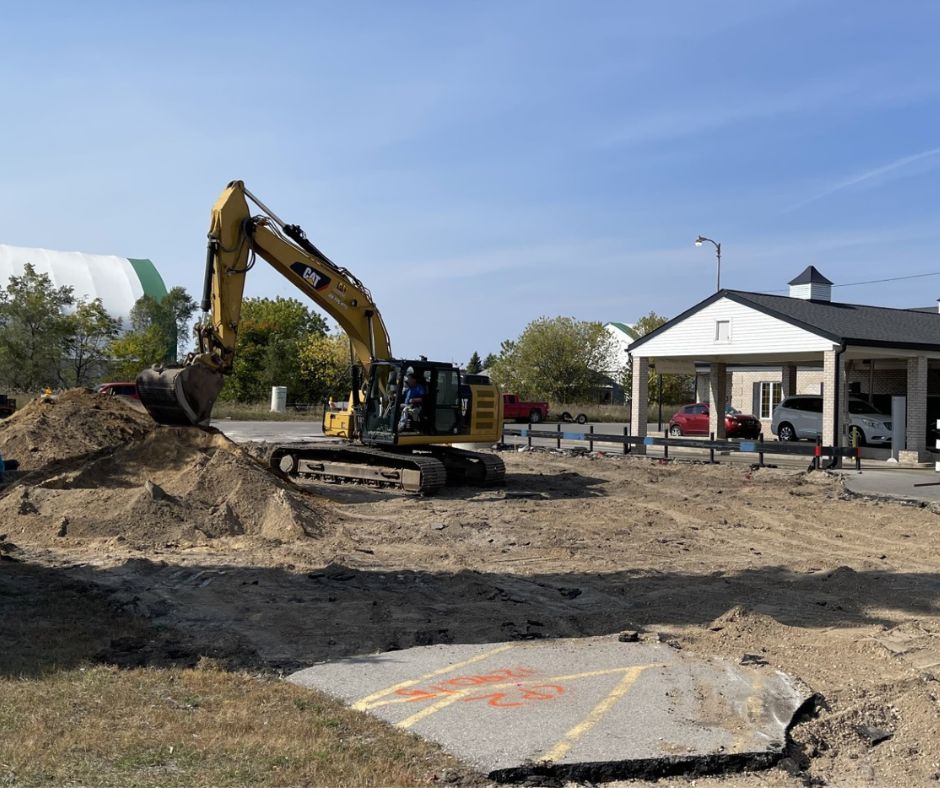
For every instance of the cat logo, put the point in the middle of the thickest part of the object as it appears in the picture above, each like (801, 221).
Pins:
(315, 279)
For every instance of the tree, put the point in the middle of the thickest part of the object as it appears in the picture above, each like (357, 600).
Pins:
(170, 317)
(91, 331)
(556, 358)
(33, 330)
(267, 351)
(676, 388)
(158, 333)
(489, 360)
(325, 367)
(474, 365)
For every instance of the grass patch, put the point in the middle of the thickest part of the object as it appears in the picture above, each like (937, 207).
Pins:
(608, 413)
(69, 718)
(171, 727)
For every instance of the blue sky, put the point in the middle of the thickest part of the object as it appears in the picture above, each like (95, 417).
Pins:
(479, 165)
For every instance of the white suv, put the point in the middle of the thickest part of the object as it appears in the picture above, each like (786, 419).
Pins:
(800, 417)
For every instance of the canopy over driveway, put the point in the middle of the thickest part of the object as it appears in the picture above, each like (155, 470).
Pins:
(734, 327)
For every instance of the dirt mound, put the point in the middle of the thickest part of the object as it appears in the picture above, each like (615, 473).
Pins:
(171, 485)
(75, 424)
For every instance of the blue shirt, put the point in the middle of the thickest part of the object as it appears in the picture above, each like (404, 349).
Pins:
(416, 391)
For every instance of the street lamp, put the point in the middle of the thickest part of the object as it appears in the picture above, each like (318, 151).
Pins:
(699, 241)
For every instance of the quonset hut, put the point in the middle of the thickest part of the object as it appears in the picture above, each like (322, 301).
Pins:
(117, 281)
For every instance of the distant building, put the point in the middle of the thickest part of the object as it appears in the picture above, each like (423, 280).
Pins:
(117, 281)
(623, 335)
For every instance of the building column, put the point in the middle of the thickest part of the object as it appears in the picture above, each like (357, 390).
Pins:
(916, 410)
(639, 403)
(788, 380)
(718, 398)
(833, 415)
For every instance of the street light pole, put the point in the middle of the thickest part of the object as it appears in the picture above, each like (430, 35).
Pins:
(698, 242)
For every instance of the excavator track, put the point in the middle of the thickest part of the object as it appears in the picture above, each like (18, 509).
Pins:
(422, 474)
(471, 467)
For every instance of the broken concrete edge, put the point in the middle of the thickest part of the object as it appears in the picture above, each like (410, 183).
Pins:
(657, 768)
(917, 503)
(641, 768)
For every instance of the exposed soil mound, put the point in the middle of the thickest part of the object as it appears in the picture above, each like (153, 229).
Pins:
(76, 423)
(171, 485)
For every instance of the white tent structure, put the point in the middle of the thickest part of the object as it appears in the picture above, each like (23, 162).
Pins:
(117, 281)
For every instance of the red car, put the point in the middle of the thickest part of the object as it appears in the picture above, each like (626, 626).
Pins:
(118, 390)
(693, 420)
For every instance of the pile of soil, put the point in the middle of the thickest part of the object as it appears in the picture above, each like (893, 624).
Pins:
(171, 486)
(75, 424)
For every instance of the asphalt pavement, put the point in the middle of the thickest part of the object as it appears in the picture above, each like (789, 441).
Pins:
(583, 709)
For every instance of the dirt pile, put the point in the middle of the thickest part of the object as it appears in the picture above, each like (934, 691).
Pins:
(170, 486)
(75, 424)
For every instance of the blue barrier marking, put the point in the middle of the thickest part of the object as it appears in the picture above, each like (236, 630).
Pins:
(647, 441)
(573, 436)
(748, 446)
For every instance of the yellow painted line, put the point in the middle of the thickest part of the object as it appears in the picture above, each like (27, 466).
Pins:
(596, 714)
(427, 711)
(519, 682)
(367, 702)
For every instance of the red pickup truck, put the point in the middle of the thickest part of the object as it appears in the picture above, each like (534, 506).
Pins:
(515, 408)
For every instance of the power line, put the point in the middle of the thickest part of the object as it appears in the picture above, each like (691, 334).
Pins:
(890, 279)
(869, 281)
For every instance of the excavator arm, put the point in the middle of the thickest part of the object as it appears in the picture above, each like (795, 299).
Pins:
(185, 394)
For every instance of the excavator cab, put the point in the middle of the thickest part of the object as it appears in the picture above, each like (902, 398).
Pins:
(389, 421)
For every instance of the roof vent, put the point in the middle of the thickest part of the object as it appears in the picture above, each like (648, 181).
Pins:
(811, 286)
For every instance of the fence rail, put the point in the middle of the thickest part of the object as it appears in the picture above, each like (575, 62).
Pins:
(760, 447)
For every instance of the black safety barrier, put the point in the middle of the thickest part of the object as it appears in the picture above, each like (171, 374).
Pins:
(816, 451)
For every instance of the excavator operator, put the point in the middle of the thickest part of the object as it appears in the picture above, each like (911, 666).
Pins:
(413, 398)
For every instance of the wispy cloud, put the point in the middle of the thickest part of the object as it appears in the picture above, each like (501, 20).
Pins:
(899, 168)
(856, 91)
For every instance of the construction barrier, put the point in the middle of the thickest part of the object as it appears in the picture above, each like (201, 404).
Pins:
(815, 452)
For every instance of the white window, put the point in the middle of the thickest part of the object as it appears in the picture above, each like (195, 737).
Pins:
(771, 394)
(722, 330)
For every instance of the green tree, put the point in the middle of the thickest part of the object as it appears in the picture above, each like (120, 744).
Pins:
(555, 358)
(474, 365)
(325, 367)
(33, 330)
(157, 335)
(170, 317)
(91, 331)
(676, 388)
(267, 351)
(489, 360)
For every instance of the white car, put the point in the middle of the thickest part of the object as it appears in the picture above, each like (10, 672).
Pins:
(800, 417)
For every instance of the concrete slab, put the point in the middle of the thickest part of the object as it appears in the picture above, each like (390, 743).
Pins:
(588, 708)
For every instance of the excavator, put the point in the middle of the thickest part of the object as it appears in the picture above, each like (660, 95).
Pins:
(380, 439)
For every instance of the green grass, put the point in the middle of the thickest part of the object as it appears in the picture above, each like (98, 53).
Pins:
(70, 716)
(607, 413)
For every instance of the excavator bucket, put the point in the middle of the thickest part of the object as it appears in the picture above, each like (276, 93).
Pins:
(180, 396)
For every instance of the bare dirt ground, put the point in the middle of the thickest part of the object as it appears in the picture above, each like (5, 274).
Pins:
(189, 532)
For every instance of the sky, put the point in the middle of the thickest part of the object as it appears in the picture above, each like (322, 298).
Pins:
(479, 165)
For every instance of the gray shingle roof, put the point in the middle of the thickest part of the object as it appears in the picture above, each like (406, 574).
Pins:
(853, 324)
(810, 277)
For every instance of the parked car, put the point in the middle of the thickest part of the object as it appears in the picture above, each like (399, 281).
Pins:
(118, 390)
(693, 420)
(800, 418)
(520, 410)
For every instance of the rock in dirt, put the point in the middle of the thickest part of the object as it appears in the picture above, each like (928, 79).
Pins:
(75, 424)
